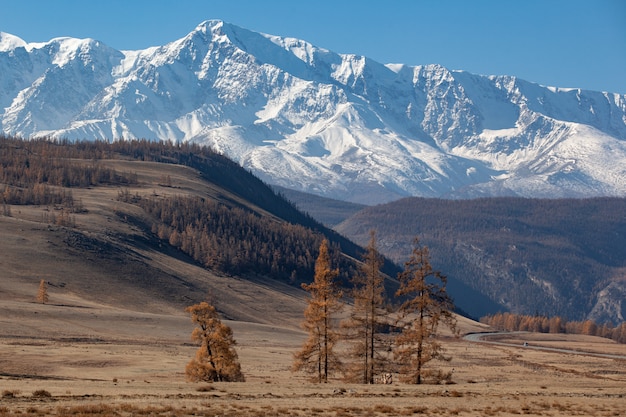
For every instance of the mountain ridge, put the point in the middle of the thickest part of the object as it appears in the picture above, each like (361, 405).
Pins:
(552, 257)
(336, 125)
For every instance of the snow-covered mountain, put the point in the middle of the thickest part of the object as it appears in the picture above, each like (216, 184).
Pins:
(303, 117)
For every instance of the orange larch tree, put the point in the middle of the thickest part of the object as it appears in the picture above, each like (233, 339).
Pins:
(216, 359)
(368, 319)
(42, 293)
(426, 305)
(317, 355)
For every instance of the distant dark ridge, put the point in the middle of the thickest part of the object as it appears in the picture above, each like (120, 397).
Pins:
(328, 211)
(547, 256)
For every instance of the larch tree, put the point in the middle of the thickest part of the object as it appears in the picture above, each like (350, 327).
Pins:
(42, 293)
(426, 305)
(317, 356)
(368, 318)
(216, 359)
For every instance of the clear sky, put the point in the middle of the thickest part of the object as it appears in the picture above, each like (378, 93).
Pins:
(562, 43)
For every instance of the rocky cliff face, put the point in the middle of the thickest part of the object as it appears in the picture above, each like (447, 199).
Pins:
(610, 305)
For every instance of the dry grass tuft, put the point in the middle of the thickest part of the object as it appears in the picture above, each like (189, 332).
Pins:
(41, 393)
(384, 409)
(87, 410)
(10, 394)
(409, 411)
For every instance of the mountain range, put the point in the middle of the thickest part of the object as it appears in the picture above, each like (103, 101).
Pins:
(306, 118)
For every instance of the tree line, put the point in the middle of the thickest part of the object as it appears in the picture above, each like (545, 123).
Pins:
(232, 239)
(543, 324)
(36, 173)
(79, 164)
(381, 341)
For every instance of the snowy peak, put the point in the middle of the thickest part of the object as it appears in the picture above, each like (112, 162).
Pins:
(304, 117)
(9, 42)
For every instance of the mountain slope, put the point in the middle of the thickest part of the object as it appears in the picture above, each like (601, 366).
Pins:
(149, 226)
(303, 117)
(561, 257)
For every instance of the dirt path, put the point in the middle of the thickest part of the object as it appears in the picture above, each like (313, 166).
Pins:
(523, 343)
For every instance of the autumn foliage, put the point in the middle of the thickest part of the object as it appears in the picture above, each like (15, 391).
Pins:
(426, 305)
(42, 293)
(364, 330)
(317, 355)
(216, 359)
(542, 324)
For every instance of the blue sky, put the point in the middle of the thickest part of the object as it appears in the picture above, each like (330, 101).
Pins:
(562, 43)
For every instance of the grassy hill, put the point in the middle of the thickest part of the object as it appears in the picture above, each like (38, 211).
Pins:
(74, 215)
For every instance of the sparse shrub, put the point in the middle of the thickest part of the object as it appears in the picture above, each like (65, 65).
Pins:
(9, 394)
(41, 393)
(384, 409)
(488, 411)
(89, 409)
(415, 410)
(205, 388)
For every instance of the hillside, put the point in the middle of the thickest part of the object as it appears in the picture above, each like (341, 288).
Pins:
(109, 256)
(563, 257)
(337, 125)
(90, 219)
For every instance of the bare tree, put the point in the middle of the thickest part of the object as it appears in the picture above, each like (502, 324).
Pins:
(216, 359)
(426, 305)
(368, 319)
(317, 356)
(42, 294)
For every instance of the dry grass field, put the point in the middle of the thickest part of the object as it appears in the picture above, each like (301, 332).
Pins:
(87, 359)
(114, 339)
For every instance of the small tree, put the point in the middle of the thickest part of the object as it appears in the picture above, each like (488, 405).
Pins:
(42, 294)
(317, 356)
(427, 304)
(216, 359)
(367, 319)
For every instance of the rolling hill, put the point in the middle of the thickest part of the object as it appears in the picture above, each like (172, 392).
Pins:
(72, 215)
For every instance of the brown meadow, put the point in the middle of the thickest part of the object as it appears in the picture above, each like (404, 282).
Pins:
(126, 363)
(113, 338)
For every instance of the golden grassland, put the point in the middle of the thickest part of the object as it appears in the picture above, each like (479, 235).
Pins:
(114, 339)
(133, 364)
